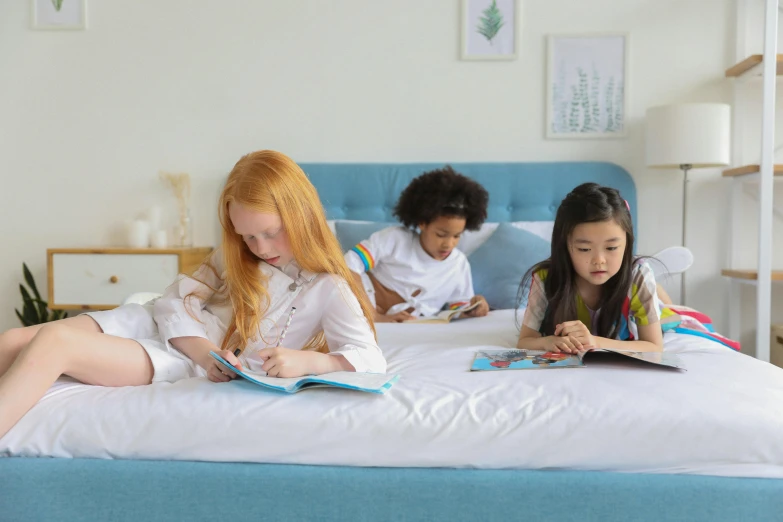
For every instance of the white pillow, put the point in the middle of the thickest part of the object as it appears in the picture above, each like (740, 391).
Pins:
(470, 241)
(331, 223)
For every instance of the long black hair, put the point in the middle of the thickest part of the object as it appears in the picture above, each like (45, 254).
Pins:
(587, 203)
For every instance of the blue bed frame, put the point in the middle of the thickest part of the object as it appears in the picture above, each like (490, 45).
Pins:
(88, 490)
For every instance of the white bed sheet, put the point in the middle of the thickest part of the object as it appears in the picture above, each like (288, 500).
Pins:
(724, 416)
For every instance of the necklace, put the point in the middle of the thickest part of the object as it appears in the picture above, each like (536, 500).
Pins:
(293, 286)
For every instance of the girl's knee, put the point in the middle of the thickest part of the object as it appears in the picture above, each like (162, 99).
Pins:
(53, 331)
(51, 339)
(15, 339)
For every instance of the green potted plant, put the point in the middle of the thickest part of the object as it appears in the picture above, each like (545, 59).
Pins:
(35, 310)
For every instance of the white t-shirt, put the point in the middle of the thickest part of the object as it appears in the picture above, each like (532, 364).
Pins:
(323, 302)
(397, 260)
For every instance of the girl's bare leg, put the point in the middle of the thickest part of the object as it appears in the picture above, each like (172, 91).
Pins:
(56, 349)
(12, 341)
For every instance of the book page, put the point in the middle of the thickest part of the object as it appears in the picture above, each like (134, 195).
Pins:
(376, 382)
(287, 383)
(444, 316)
(358, 380)
(658, 358)
(516, 359)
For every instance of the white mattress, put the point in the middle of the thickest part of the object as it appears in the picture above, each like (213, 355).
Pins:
(724, 416)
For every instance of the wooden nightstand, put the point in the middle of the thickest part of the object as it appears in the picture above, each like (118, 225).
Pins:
(101, 278)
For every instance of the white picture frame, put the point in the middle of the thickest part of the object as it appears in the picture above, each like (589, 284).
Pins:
(489, 29)
(587, 85)
(58, 15)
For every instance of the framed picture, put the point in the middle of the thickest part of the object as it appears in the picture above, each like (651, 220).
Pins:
(587, 86)
(58, 14)
(489, 29)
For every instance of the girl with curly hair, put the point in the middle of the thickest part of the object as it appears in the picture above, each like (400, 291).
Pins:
(415, 269)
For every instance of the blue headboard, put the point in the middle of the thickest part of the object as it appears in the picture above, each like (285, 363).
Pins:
(517, 191)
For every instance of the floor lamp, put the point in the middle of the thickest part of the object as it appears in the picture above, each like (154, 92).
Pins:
(688, 136)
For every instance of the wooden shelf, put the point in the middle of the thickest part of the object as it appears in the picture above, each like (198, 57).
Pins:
(750, 169)
(749, 63)
(750, 275)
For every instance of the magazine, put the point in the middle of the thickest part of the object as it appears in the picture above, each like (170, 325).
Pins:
(445, 316)
(359, 381)
(516, 359)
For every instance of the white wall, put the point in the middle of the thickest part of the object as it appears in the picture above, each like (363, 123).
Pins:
(87, 119)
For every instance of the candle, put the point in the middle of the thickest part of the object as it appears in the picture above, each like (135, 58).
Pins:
(139, 234)
(158, 239)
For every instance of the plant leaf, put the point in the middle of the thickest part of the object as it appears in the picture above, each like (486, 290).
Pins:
(28, 277)
(30, 315)
(25, 294)
(30, 311)
(56, 315)
(21, 319)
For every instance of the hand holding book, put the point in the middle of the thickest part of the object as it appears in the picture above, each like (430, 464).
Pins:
(220, 373)
(479, 306)
(455, 311)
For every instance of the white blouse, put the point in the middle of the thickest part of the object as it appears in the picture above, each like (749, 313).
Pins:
(323, 302)
(397, 260)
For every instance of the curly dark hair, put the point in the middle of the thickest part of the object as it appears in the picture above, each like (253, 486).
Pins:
(442, 192)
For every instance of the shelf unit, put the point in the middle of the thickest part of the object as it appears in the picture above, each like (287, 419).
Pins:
(751, 64)
(769, 65)
(749, 275)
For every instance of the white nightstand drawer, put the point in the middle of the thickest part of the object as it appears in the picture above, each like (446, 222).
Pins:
(101, 278)
(106, 279)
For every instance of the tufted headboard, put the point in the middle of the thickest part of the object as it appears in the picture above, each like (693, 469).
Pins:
(517, 191)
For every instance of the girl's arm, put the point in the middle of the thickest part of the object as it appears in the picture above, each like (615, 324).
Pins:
(650, 340)
(535, 302)
(350, 338)
(365, 256)
(179, 313)
(464, 292)
(481, 310)
(530, 339)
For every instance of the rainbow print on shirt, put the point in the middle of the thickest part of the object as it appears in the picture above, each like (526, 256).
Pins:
(365, 256)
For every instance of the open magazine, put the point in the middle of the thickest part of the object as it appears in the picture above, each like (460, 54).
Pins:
(515, 359)
(445, 316)
(359, 381)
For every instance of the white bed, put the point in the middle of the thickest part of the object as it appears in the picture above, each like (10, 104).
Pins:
(724, 416)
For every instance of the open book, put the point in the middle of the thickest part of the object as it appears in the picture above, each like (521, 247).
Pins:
(360, 381)
(445, 316)
(515, 359)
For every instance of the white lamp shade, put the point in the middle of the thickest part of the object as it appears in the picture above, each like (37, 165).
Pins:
(697, 134)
